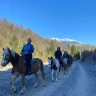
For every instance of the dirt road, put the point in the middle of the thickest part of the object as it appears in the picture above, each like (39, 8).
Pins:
(77, 83)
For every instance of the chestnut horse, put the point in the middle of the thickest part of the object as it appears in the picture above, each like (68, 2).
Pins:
(19, 68)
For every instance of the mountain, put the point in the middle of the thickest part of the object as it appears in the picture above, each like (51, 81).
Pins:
(68, 42)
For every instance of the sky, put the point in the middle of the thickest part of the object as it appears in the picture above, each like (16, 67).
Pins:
(74, 19)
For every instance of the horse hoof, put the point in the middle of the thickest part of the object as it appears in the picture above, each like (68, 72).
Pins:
(43, 85)
(59, 78)
(14, 90)
(35, 86)
(56, 80)
(22, 92)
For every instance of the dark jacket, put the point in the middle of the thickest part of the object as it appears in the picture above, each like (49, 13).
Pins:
(65, 55)
(58, 54)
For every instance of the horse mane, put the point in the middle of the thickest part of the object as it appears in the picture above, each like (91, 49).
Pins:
(17, 56)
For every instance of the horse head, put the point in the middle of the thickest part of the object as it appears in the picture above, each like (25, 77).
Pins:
(50, 60)
(7, 56)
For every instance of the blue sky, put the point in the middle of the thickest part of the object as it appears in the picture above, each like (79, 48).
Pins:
(74, 19)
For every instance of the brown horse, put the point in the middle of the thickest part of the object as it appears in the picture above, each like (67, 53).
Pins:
(19, 68)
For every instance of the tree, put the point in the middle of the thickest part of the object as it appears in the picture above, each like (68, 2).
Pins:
(77, 55)
(14, 41)
(75, 52)
(51, 48)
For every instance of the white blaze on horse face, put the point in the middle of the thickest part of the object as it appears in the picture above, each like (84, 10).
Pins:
(4, 62)
(5, 58)
(49, 63)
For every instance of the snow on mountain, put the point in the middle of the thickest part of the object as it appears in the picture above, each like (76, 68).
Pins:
(67, 41)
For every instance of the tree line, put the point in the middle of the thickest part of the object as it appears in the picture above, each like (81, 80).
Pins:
(15, 36)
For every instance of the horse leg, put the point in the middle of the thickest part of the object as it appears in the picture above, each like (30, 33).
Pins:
(61, 71)
(36, 84)
(23, 84)
(43, 78)
(13, 88)
(52, 75)
(57, 74)
(66, 70)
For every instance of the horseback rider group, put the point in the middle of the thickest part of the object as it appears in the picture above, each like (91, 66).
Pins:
(28, 49)
(59, 56)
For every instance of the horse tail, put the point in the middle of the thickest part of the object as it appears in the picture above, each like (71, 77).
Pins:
(41, 67)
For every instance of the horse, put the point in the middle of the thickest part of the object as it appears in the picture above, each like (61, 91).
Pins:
(54, 65)
(70, 60)
(19, 68)
(65, 63)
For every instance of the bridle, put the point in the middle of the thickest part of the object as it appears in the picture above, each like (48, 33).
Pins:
(11, 58)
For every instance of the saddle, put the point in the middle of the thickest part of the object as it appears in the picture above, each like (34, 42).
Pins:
(33, 61)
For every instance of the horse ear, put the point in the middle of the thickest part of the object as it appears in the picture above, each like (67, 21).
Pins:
(8, 48)
(3, 49)
(51, 57)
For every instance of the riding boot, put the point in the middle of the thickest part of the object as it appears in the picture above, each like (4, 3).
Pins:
(28, 70)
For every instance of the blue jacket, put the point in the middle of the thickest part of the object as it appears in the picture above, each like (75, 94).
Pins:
(27, 49)
(65, 55)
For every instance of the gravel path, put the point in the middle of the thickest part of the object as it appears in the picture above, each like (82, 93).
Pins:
(78, 82)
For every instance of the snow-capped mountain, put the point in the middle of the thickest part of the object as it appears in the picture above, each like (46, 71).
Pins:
(67, 41)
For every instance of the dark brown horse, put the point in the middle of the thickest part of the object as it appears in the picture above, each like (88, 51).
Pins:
(19, 68)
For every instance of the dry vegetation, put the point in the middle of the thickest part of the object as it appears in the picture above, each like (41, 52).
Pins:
(14, 37)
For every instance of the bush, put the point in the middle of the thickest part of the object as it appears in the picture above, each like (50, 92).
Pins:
(86, 54)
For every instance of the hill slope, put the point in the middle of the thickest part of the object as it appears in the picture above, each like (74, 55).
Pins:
(14, 36)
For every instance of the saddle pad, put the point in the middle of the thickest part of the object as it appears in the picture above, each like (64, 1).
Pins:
(33, 61)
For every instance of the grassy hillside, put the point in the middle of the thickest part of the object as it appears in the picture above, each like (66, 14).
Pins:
(14, 37)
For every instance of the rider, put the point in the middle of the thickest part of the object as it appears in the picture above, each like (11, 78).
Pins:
(65, 55)
(27, 51)
(58, 55)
